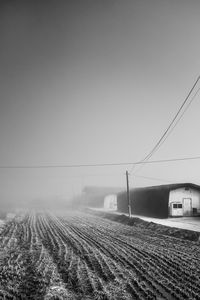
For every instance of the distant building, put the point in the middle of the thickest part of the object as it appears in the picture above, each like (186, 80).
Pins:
(100, 197)
(172, 200)
(110, 202)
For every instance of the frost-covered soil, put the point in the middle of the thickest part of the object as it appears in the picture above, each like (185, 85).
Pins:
(186, 228)
(189, 223)
(80, 255)
(1, 224)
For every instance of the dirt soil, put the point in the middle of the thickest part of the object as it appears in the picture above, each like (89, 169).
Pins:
(138, 222)
(83, 256)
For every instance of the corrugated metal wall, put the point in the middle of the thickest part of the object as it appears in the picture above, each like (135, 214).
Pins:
(147, 202)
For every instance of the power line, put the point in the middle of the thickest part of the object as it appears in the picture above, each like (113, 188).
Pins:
(174, 120)
(177, 121)
(181, 116)
(99, 165)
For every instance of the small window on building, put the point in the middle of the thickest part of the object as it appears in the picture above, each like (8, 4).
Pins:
(179, 205)
(175, 205)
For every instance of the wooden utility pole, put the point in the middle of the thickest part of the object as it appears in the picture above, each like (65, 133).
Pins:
(128, 195)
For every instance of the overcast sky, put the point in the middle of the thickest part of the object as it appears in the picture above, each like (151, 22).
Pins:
(86, 82)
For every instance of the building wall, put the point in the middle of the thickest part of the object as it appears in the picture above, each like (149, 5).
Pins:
(162, 201)
(177, 196)
(94, 201)
(152, 202)
(110, 202)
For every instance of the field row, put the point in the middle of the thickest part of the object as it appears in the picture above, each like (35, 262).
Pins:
(80, 256)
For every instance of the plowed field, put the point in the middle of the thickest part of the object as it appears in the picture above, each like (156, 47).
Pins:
(81, 256)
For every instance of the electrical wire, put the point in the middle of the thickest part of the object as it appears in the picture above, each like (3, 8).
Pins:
(99, 165)
(179, 118)
(171, 125)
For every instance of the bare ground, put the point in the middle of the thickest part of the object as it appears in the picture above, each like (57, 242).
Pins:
(82, 256)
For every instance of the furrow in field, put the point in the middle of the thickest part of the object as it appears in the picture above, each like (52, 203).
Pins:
(80, 256)
(118, 257)
(156, 264)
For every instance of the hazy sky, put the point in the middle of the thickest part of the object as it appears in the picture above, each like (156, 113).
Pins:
(97, 81)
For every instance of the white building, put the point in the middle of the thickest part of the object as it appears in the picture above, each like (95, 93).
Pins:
(184, 201)
(110, 202)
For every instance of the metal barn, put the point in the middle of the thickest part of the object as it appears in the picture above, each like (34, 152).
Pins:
(100, 197)
(172, 200)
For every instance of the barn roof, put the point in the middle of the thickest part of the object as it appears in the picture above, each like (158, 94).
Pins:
(166, 187)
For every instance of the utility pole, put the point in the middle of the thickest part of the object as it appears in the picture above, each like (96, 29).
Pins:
(128, 195)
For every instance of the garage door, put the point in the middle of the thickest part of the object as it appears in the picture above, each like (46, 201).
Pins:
(187, 206)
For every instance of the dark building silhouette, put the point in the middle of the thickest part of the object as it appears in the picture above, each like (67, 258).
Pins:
(182, 199)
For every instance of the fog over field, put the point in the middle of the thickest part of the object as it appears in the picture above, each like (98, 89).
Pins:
(95, 82)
